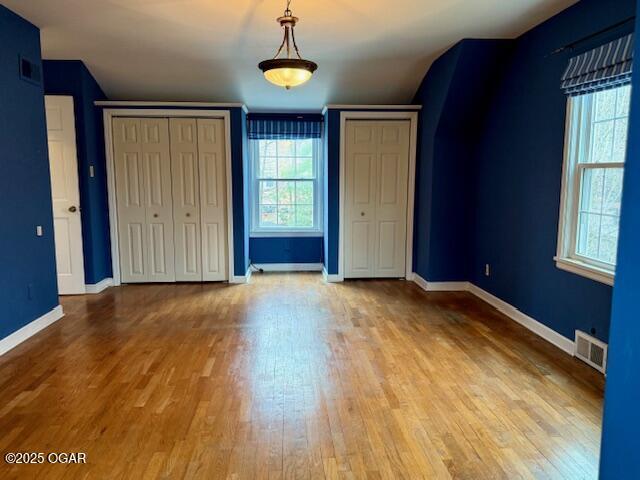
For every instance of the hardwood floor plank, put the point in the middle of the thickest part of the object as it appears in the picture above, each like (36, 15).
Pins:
(289, 377)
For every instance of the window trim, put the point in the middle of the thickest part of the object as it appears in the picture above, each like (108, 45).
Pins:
(577, 139)
(254, 194)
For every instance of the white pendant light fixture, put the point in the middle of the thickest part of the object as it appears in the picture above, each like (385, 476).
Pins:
(289, 71)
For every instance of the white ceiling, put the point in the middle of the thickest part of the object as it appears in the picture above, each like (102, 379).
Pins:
(368, 51)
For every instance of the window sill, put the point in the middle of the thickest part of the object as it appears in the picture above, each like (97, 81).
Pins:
(583, 269)
(295, 233)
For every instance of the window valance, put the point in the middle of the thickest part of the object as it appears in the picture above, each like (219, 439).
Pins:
(284, 126)
(607, 66)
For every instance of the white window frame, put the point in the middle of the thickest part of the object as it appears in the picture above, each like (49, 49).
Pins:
(577, 138)
(254, 197)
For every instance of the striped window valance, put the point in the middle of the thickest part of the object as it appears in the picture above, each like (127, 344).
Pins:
(604, 67)
(283, 126)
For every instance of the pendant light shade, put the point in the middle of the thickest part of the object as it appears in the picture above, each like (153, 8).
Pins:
(289, 71)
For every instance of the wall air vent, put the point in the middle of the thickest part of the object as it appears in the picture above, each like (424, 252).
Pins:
(591, 350)
(30, 71)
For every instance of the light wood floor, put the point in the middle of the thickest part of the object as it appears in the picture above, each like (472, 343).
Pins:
(289, 377)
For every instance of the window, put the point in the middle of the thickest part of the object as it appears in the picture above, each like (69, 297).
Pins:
(286, 186)
(592, 183)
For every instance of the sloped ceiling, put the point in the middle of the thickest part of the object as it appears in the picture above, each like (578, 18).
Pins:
(368, 51)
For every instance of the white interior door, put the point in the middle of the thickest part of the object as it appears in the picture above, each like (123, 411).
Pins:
(213, 194)
(144, 199)
(186, 199)
(376, 188)
(63, 165)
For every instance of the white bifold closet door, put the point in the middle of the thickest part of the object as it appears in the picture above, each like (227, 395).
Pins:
(186, 198)
(144, 200)
(375, 205)
(171, 199)
(213, 198)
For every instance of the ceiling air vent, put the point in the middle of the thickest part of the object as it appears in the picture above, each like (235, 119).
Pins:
(591, 350)
(30, 71)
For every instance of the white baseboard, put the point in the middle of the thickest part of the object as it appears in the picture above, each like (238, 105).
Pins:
(333, 278)
(290, 267)
(241, 278)
(540, 329)
(30, 329)
(440, 286)
(98, 287)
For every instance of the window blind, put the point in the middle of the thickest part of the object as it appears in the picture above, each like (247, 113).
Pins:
(607, 66)
(284, 126)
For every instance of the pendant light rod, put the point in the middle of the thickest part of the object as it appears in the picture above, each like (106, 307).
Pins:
(288, 22)
(286, 36)
(293, 37)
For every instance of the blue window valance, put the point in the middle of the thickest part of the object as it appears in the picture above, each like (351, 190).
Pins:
(604, 67)
(262, 126)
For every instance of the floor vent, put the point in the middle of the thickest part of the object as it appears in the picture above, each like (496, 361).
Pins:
(591, 350)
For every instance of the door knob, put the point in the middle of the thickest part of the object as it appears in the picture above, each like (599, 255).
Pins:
(188, 214)
(155, 215)
(73, 209)
(362, 214)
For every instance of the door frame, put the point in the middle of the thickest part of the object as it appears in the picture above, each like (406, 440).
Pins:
(412, 116)
(84, 288)
(108, 115)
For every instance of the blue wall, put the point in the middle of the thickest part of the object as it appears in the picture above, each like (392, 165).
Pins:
(490, 167)
(286, 249)
(325, 192)
(28, 285)
(619, 458)
(332, 190)
(449, 128)
(240, 192)
(519, 174)
(71, 77)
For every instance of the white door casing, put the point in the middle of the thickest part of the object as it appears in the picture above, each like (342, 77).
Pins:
(186, 199)
(63, 166)
(144, 203)
(375, 198)
(128, 109)
(212, 169)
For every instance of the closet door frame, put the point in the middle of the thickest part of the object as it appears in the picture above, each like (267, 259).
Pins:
(345, 116)
(108, 115)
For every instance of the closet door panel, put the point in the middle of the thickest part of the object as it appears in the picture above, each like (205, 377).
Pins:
(360, 199)
(213, 205)
(159, 212)
(391, 204)
(186, 199)
(130, 199)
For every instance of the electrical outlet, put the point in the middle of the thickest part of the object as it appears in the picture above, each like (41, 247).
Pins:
(39, 230)
(487, 270)
(92, 172)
